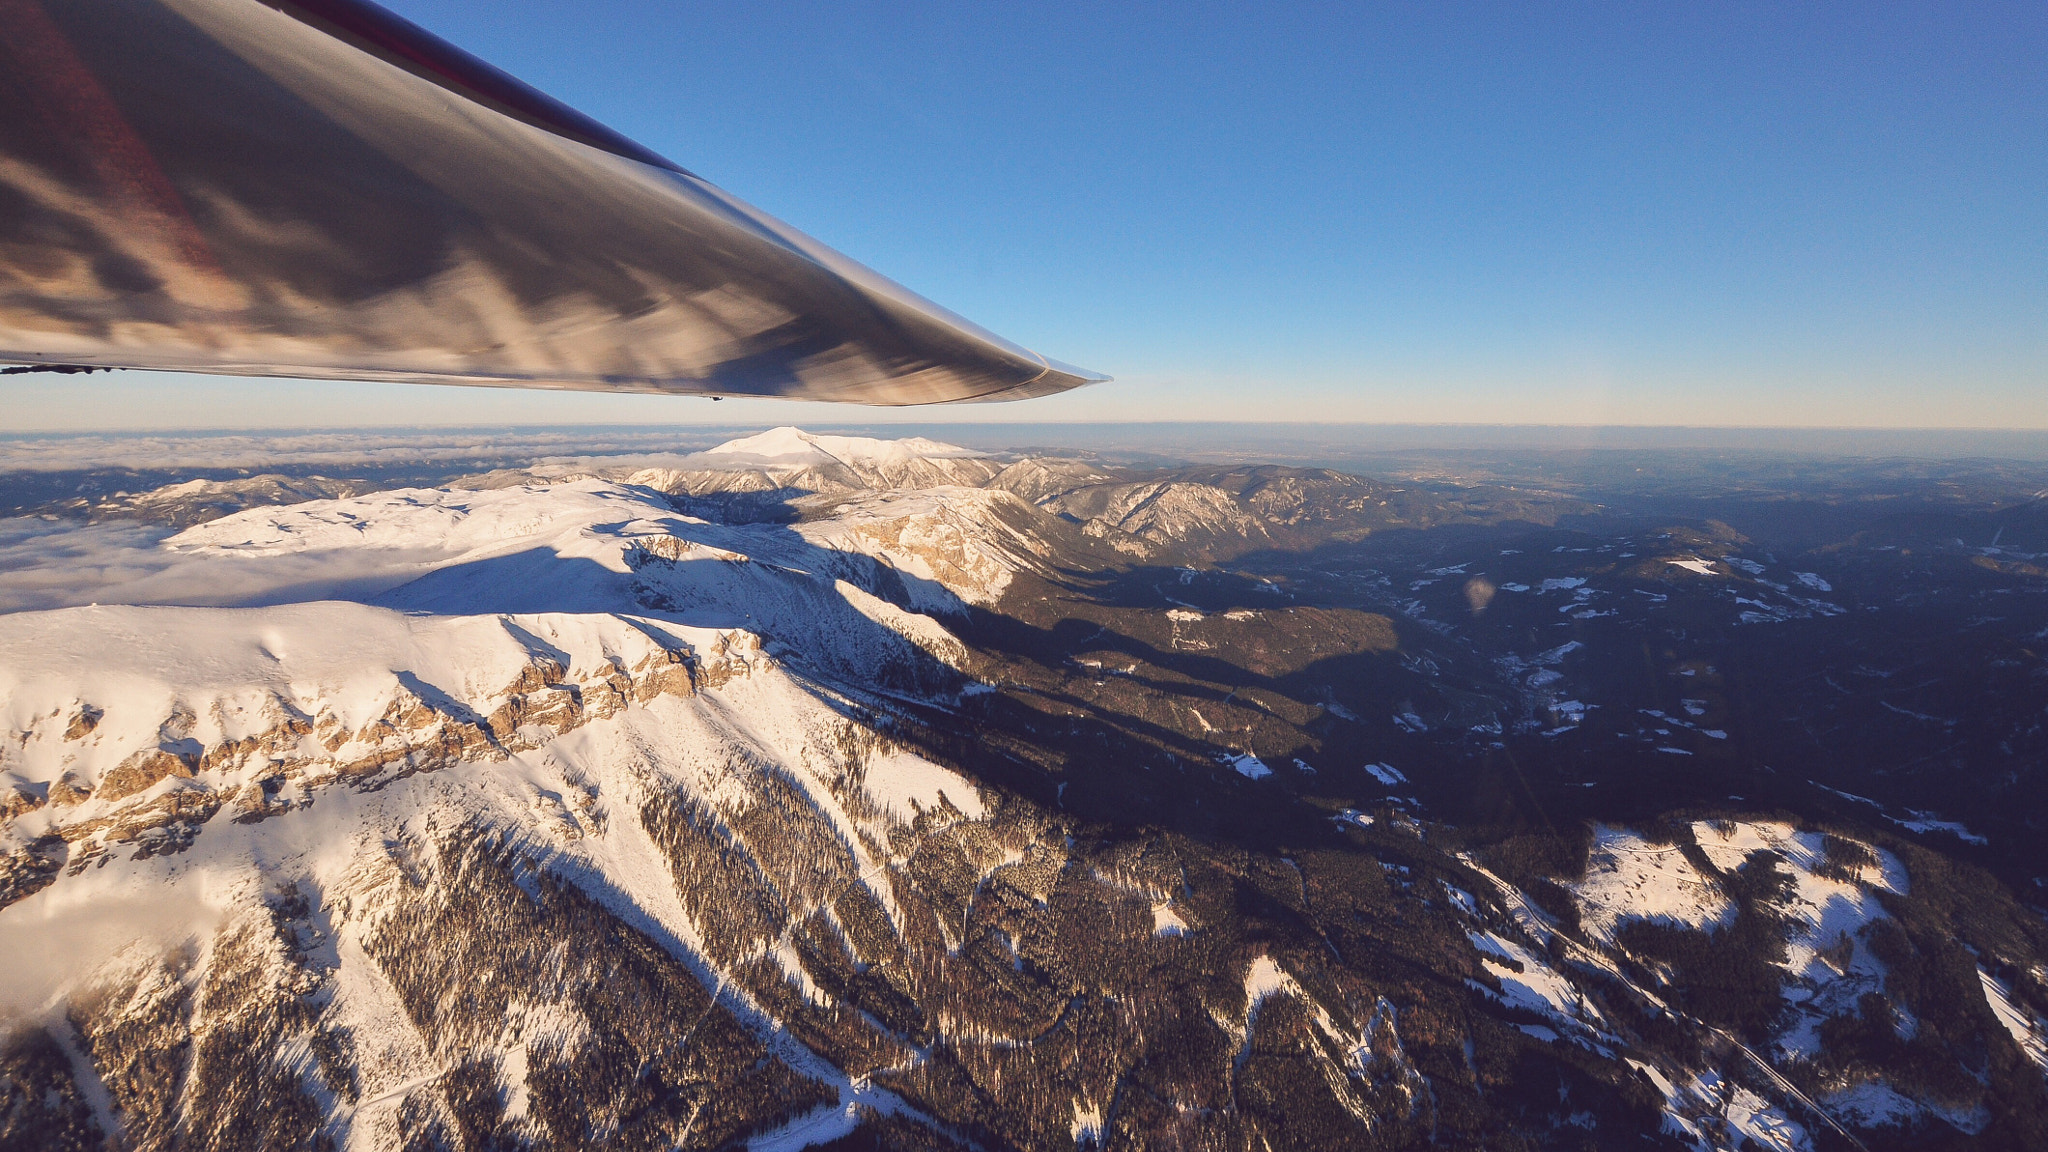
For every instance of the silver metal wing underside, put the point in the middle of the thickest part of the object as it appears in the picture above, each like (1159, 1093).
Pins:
(315, 188)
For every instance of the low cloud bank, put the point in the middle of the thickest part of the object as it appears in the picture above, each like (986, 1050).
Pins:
(379, 449)
(58, 564)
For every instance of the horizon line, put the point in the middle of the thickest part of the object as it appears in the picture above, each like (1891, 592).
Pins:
(1319, 424)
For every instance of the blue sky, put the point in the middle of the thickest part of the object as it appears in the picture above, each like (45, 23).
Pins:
(1747, 214)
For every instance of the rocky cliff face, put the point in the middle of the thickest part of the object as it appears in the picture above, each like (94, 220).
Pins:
(931, 816)
(143, 754)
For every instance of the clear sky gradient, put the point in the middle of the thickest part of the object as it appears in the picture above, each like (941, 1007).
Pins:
(1628, 213)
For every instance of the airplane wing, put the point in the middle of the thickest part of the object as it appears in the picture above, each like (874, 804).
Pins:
(318, 188)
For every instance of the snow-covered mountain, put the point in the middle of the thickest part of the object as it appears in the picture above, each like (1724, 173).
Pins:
(959, 804)
(792, 460)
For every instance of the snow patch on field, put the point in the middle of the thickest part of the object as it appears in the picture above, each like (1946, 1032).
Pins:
(1250, 766)
(1871, 1105)
(904, 784)
(1928, 822)
(1386, 774)
(1527, 982)
(1166, 922)
(1628, 878)
(1264, 978)
(792, 965)
(1087, 1126)
(1828, 963)
(2028, 1030)
(1763, 1123)
(1710, 1112)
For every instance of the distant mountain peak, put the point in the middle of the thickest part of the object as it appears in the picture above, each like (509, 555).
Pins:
(791, 448)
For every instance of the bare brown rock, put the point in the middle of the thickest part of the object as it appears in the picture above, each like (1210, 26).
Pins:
(68, 790)
(83, 723)
(18, 801)
(551, 709)
(142, 771)
(26, 871)
(277, 744)
(666, 673)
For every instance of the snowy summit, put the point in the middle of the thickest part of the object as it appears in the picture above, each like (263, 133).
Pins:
(787, 447)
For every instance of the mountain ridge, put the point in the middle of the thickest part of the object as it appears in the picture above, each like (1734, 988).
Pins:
(944, 815)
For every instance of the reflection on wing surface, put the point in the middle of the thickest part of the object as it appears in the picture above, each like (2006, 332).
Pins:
(318, 188)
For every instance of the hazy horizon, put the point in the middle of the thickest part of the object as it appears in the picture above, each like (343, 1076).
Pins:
(1279, 442)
